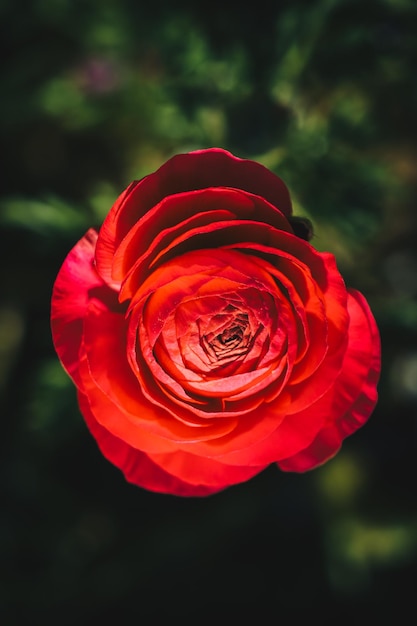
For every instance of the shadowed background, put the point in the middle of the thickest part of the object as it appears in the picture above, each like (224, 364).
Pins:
(97, 93)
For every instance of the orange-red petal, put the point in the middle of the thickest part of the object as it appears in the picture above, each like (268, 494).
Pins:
(77, 280)
(355, 390)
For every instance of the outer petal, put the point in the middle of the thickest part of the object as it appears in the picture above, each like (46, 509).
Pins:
(214, 167)
(355, 393)
(75, 283)
(182, 211)
(179, 473)
(135, 465)
(104, 252)
(292, 434)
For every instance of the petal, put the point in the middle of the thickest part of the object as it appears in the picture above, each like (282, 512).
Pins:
(291, 434)
(355, 391)
(177, 213)
(77, 280)
(185, 172)
(204, 472)
(136, 466)
(108, 232)
(179, 473)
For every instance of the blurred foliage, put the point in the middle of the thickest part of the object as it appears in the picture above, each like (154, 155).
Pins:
(97, 93)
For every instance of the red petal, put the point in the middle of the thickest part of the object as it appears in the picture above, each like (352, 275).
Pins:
(74, 285)
(292, 434)
(204, 472)
(139, 469)
(108, 232)
(186, 172)
(177, 219)
(355, 391)
(175, 214)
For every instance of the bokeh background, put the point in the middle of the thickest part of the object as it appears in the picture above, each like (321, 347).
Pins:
(96, 93)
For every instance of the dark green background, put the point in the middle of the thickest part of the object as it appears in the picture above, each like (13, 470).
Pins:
(96, 93)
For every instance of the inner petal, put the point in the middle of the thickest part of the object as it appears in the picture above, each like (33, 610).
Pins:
(212, 330)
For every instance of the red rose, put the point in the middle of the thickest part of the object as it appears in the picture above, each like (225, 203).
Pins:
(206, 337)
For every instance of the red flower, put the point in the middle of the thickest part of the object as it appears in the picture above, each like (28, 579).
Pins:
(206, 338)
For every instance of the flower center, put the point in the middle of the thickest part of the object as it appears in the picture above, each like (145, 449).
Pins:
(230, 337)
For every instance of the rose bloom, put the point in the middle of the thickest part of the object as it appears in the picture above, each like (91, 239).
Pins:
(207, 338)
